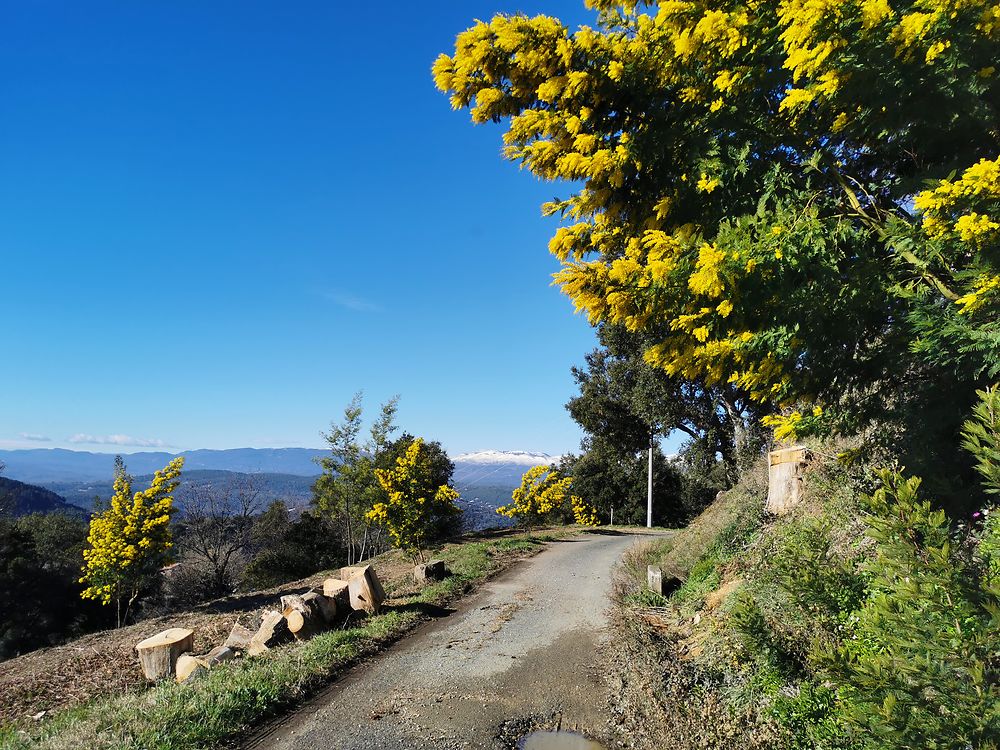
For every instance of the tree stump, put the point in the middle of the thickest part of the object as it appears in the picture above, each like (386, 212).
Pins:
(365, 590)
(429, 571)
(158, 654)
(784, 479)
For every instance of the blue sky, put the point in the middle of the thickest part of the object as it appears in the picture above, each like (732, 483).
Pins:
(219, 220)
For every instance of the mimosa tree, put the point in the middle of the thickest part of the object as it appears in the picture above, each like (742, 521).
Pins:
(130, 541)
(799, 200)
(416, 503)
(544, 494)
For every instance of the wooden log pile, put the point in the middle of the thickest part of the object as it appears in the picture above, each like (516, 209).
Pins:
(300, 617)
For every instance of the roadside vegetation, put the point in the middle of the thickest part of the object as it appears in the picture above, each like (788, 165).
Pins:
(239, 695)
(866, 618)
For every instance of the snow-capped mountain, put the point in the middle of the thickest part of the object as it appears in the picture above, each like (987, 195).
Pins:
(496, 468)
(521, 458)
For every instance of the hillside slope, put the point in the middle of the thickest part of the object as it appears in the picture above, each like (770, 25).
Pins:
(20, 499)
(860, 620)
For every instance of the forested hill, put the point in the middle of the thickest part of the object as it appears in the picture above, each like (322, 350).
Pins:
(20, 499)
(293, 489)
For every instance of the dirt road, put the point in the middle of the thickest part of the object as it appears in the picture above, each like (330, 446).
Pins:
(524, 650)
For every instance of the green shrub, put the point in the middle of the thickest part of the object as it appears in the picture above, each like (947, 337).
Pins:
(918, 666)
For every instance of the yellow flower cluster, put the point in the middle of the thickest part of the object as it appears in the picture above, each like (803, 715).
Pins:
(583, 512)
(542, 491)
(414, 503)
(948, 210)
(786, 427)
(985, 287)
(131, 537)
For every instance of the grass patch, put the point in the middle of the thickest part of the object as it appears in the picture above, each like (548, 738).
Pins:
(236, 696)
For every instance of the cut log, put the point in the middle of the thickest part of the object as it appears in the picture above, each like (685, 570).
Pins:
(304, 619)
(429, 571)
(190, 667)
(365, 590)
(273, 632)
(326, 606)
(339, 591)
(158, 654)
(346, 574)
(239, 638)
(218, 655)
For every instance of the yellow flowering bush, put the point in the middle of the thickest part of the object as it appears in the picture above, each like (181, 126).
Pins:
(130, 540)
(415, 505)
(544, 495)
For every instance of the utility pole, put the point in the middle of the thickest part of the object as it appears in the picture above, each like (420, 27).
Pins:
(649, 484)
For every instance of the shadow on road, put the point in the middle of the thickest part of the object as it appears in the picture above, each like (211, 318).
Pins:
(427, 610)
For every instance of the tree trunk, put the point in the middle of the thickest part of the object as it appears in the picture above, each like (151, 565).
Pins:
(324, 605)
(303, 620)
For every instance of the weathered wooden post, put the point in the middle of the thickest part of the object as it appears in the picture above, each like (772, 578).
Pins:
(784, 479)
(654, 579)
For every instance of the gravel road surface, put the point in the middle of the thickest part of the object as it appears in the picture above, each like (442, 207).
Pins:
(523, 651)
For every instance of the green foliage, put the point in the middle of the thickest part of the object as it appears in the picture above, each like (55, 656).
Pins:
(918, 665)
(981, 438)
(608, 478)
(703, 578)
(287, 550)
(39, 591)
(347, 490)
(864, 620)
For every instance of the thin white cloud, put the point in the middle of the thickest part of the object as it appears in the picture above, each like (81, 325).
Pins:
(34, 437)
(128, 440)
(352, 302)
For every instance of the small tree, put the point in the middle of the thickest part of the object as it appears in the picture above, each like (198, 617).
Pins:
(130, 541)
(416, 504)
(217, 529)
(544, 494)
(347, 489)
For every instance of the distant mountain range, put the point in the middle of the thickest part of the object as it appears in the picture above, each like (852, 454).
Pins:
(75, 478)
(43, 465)
(294, 490)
